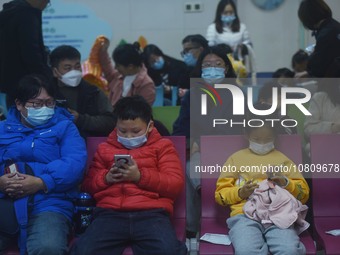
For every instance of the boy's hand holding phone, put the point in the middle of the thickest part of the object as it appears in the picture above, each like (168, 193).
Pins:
(124, 169)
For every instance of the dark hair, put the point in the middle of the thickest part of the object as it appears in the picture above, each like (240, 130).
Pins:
(218, 51)
(63, 52)
(31, 85)
(285, 72)
(226, 47)
(196, 39)
(235, 26)
(299, 57)
(131, 108)
(149, 50)
(274, 125)
(127, 54)
(266, 92)
(311, 12)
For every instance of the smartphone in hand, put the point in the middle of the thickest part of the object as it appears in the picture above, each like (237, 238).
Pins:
(121, 159)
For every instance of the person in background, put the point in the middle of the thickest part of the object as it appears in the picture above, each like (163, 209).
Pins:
(233, 189)
(163, 70)
(213, 66)
(325, 109)
(284, 77)
(265, 102)
(91, 108)
(299, 61)
(193, 45)
(129, 76)
(134, 200)
(22, 49)
(45, 155)
(317, 16)
(228, 29)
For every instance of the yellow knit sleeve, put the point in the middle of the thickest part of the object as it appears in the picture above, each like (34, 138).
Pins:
(226, 191)
(297, 185)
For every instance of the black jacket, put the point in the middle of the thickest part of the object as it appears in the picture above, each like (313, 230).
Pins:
(22, 49)
(95, 111)
(327, 48)
(170, 74)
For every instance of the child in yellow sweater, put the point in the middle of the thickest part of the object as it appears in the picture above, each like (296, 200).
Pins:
(233, 189)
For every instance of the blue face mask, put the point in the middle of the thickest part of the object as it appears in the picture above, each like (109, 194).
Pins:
(134, 142)
(228, 19)
(189, 59)
(213, 75)
(36, 117)
(159, 64)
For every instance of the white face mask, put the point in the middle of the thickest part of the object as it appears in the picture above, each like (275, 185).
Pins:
(72, 78)
(261, 149)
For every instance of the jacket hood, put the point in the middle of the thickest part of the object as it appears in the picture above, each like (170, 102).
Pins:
(11, 8)
(153, 137)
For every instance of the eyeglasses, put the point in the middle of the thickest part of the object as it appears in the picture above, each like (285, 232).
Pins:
(213, 64)
(187, 50)
(50, 103)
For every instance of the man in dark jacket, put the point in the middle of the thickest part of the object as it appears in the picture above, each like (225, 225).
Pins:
(91, 108)
(22, 49)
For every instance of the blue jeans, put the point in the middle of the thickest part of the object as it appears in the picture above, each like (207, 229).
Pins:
(148, 232)
(250, 237)
(47, 233)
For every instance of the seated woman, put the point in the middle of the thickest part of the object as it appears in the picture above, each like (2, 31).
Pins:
(164, 70)
(42, 162)
(129, 76)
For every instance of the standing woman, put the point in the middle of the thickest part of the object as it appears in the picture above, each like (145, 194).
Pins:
(316, 15)
(227, 28)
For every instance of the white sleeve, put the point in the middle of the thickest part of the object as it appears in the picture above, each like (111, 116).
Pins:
(314, 123)
(245, 35)
(211, 34)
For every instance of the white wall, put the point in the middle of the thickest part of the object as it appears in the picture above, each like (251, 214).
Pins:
(275, 34)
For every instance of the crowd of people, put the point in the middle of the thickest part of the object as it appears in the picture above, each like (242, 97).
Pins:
(52, 109)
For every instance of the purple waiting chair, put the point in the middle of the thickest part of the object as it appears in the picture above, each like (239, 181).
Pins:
(179, 215)
(325, 150)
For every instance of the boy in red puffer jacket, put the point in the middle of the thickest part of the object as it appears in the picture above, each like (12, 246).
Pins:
(134, 201)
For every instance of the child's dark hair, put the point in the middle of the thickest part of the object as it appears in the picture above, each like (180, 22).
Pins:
(63, 52)
(131, 108)
(197, 40)
(127, 54)
(262, 119)
(266, 92)
(283, 72)
(299, 57)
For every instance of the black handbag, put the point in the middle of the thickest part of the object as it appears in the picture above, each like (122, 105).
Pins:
(8, 220)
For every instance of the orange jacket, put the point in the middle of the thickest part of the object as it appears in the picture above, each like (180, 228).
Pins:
(161, 176)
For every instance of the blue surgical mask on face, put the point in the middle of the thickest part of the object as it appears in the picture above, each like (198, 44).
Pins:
(159, 64)
(189, 59)
(213, 75)
(228, 19)
(133, 142)
(261, 149)
(36, 117)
